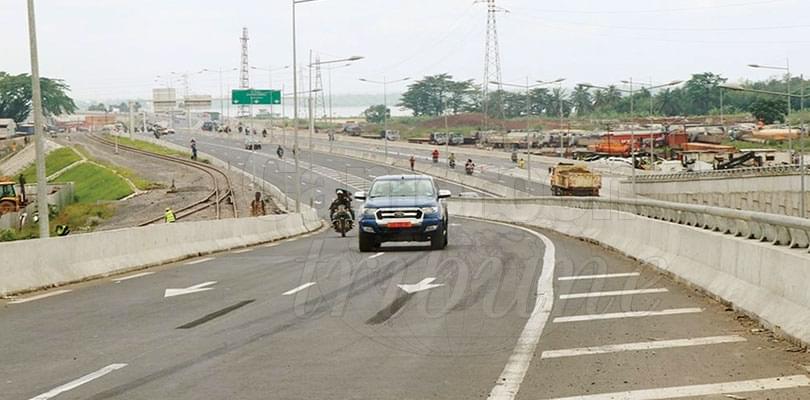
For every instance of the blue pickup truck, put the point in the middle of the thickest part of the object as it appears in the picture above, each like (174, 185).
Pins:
(403, 208)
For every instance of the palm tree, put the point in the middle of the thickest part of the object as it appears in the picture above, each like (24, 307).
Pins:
(582, 101)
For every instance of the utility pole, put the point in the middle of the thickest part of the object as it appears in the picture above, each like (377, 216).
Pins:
(39, 134)
(492, 60)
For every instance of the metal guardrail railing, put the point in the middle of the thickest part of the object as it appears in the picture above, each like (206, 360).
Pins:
(779, 230)
(788, 169)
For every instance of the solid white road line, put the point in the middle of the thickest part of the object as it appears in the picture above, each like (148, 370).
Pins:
(630, 314)
(375, 256)
(78, 382)
(514, 372)
(126, 278)
(653, 345)
(241, 251)
(41, 296)
(202, 260)
(755, 385)
(612, 293)
(602, 276)
(298, 289)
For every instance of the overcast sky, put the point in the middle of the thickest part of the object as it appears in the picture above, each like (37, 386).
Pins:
(116, 48)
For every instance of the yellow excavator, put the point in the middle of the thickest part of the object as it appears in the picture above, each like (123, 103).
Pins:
(10, 200)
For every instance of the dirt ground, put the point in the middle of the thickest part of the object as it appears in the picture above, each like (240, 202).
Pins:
(190, 185)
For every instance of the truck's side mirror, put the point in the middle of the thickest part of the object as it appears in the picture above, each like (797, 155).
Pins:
(444, 194)
(359, 195)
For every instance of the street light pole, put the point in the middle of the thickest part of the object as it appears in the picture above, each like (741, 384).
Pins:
(384, 84)
(39, 134)
(295, 114)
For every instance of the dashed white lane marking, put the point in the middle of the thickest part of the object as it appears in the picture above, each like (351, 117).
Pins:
(241, 251)
(630, 314)
(612, 293)
(655, 345)
(126, 278)
(78, 382)
(202, 260)
(754, 385)
(375, 256)
(601, 276)
(41, 296)
(514, 372)
(298, 289)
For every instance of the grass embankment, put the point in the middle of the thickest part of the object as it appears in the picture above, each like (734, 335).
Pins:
(150, 147)
(137, 180)
(55, 161)
(93, 186)
(92, 183)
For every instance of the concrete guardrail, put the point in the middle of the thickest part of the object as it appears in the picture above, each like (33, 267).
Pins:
(41, 263)
(756, 262)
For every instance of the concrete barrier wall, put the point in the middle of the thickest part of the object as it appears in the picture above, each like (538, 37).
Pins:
(40, 263)
(765, 281)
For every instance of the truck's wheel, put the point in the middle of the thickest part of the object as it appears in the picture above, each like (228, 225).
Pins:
(366, 242)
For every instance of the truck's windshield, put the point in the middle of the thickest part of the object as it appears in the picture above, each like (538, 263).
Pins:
(402, 188)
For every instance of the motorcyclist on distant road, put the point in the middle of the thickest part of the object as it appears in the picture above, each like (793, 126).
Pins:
(469, 167)
(452, 160)
(280, 151)
(435, 155)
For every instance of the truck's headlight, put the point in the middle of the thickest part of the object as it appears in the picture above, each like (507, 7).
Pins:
(369, 212)
(430, 210)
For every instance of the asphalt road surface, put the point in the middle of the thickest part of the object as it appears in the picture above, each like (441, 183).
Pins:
(504, 311)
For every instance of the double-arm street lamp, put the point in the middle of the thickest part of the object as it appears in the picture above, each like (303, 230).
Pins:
(221, 71)
(528, 87)
(385, 82)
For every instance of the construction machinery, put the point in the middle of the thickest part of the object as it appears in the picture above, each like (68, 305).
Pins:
(10, 200)
(569, 179)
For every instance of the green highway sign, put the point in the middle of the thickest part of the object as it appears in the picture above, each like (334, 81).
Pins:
(255, 96)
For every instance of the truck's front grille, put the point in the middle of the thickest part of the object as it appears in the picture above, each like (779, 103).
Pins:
(399, 213)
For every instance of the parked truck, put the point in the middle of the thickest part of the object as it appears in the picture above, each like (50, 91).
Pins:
(569, 179)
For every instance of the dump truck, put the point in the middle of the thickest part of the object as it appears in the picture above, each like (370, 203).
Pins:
(10, 200)
(569, 179)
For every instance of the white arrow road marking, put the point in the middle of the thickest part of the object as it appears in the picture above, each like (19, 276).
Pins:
(424, 284)
(191, 289)
(78, 382)
(126, 278)
(298, 289)
(41, 296)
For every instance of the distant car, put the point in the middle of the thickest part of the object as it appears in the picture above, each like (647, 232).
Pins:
(403, 208)
(252, 143)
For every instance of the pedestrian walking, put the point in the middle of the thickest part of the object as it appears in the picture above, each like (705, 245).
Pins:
(169, 217)
(413, 161)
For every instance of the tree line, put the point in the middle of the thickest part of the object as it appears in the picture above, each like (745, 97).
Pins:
(16, 95)
(699, 95)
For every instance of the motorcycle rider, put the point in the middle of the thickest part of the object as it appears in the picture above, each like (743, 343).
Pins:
(452, 160)
(469, 166)
(435, 155)
(343, 198)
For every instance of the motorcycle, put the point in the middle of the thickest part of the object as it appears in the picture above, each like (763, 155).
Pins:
(469, 169)
(435, 159)
(452, 164)
(342, 220)
(514, 157)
